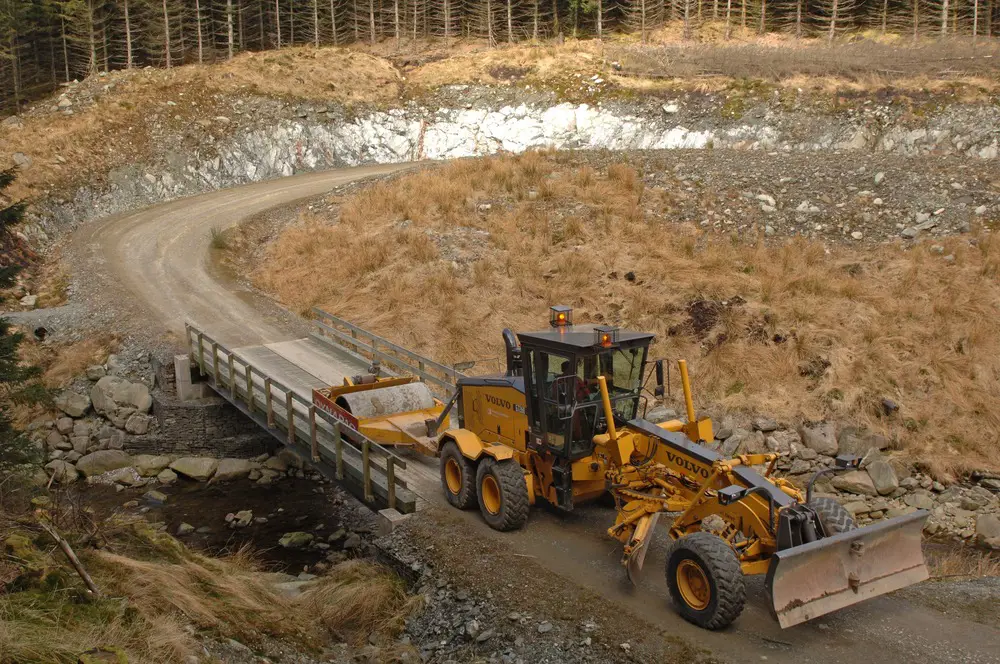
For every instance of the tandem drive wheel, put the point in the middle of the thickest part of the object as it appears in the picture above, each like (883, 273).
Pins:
(503, 494)
(458, 477)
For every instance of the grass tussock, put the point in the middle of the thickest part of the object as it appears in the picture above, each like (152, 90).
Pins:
(969, 563)
(159, 598)
(442, 260)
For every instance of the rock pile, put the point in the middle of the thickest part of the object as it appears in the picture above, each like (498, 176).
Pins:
(887, 484)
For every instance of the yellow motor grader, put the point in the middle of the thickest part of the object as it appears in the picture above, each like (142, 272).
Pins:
(562, 426)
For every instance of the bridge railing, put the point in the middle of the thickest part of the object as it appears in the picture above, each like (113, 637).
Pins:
(344, 335)
(365, 467)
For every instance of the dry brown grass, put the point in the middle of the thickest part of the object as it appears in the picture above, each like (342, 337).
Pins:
(825, 332)
(949, 563)
(161, 596)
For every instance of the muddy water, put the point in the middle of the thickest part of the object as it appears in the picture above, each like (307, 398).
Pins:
(289, 505)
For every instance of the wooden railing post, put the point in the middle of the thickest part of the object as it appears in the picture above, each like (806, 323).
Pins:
(367, 469)
(314, 440)
(390, 476)
(232, 377)
(291, 417)
(338, 446)
(249, 373)
(267, 400)
(201, 354)
(215, 364)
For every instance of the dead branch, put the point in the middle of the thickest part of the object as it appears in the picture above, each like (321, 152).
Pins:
(74, 561)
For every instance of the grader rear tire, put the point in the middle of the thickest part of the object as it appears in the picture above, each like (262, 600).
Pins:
(458, 477)
(832, 515)
(705, 580)
(503, 494)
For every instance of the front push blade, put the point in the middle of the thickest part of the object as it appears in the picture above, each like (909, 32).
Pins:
(813, 579)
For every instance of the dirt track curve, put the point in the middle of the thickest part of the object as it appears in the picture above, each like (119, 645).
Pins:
(155, 265)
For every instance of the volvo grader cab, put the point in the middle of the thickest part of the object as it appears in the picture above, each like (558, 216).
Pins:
(563, 425)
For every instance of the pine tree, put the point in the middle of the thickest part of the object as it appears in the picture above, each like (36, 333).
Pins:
(15, 449)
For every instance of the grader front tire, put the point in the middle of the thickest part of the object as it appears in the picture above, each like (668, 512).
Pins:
(834, 517)
(705, 580)
(503, 494)
(458, 477)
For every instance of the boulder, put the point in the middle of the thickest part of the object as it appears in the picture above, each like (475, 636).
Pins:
(197, 468)
(73, 404)
(80, 444)
(295, 540)
(292, 459)
(856, 482)
(764, 424)
(137, 424)
(883, 477)
(64, 425)
(97, 463)
(819, 438)
(63, 472)
(149, 465)
(166, 476)
(155, 497)
(276, 464)
(127, 476)
(853, 440)
(112, 393)
(57, 441)
(233, 469)
(988, 531)
(96, 372)
(184, 529)
(921, 500)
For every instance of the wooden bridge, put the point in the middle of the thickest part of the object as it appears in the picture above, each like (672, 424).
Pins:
(272, 384)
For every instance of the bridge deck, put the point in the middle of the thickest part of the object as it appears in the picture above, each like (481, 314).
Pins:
(272, 384)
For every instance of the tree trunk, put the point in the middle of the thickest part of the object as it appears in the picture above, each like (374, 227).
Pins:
(944, 17)
(371, 21)
(715, 10)
(197, 23)
(65, 45)
(447, 19)
(534, 23)
(687, 19)
(239, 22)
(395, 19)
(315, 23)
(555, 17)
(510, 22)
(291, 22)
(489, 23)
(91, 38)
(916, 19)
(166, 33)
(333, 21)
(15, 72)
(763, 15)
(885, 15)
(229, 26)
(833, 20)
(743, 18)
(729, 12)
(600, 19)
(128, 37)
(277, 20)
(798, 19)
(416, 9)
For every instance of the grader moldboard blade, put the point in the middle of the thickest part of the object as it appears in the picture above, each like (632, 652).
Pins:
(643, 532)
(813, 579)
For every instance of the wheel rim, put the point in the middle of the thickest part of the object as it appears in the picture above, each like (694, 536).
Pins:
(453, 476)
(490, 491)
(693, 584)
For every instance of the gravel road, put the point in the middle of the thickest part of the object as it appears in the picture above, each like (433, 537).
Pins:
(151, 270)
